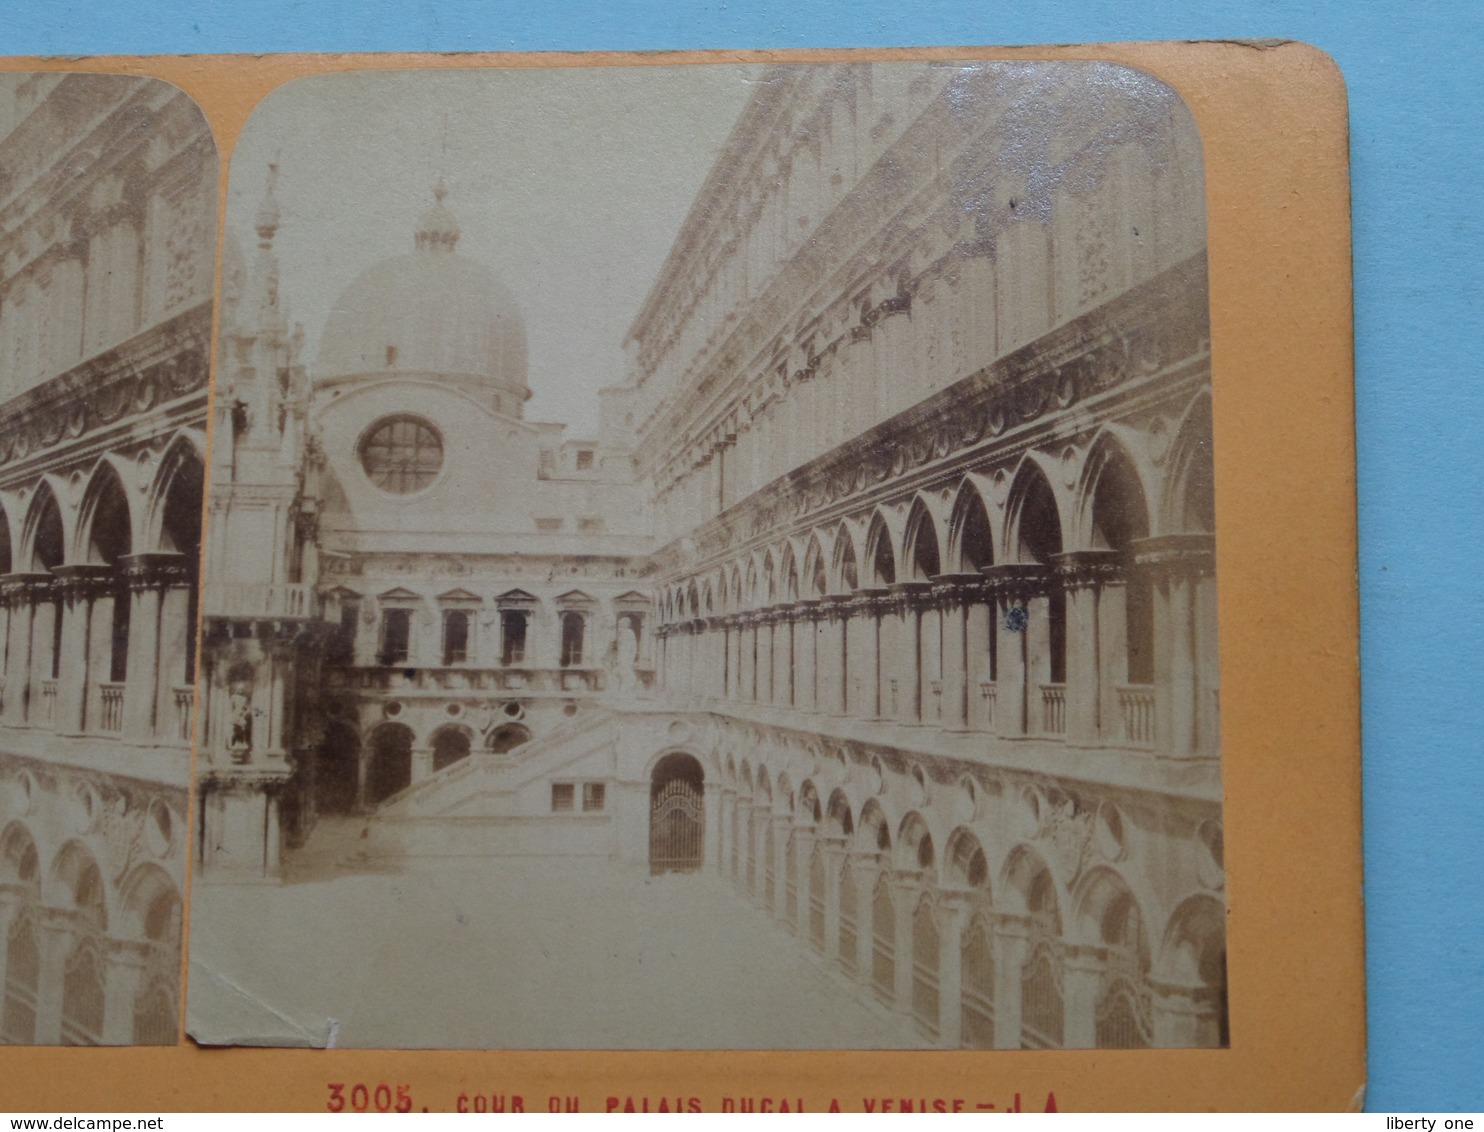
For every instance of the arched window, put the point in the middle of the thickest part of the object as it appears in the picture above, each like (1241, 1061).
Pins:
(449, 746)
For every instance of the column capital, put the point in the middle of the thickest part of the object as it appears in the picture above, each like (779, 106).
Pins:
(1018, 580)
(24, 587)
(156, 571)
(809, 609)
(1084, 569)
(82, 582)
(958, 589)
(840, 607)
(910, 594)
(1177, 554)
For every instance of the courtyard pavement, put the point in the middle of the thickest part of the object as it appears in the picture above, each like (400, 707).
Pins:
(514, 952)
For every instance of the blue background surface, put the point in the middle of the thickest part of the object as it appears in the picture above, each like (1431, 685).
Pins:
(1417, 108)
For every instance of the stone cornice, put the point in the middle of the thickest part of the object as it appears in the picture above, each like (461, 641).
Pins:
(1135, 336)
(166, 361)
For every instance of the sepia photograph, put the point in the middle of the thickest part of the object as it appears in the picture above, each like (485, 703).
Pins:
(695, 557)
(108, 208)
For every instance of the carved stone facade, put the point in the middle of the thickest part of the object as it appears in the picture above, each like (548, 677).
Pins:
(963, 661)
(107, 209)
(898, 549)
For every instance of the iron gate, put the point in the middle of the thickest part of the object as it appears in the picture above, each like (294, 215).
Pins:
(676, 824)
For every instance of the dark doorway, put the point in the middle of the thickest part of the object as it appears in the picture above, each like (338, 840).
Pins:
(677, 822)
(391, 763)
(336, 770)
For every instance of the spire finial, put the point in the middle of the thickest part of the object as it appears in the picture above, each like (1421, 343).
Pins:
(437, 230)
(267, 218)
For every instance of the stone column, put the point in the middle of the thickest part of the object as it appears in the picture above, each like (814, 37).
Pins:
(834, 855)
(1184, 642)
(422, 763)
(123, 978)
(953, 916)
(1008, 944)
(908, 892)
(781, 830)
(905, 660)
(806, 655)
(1185, 1017)
(1082, 977)
(726, 808)
(157, 646)
(863, 645)
(804, 840)
(1093, 583)
(952, 593)
(13, 897)
(734, 659)
(1017, 693)
(981, 690)
(80, 587)
(177, 638)
(865, 866)
(711, 809)
(765, 658)
(748, 864)
(930, 661)
(56, 935)
(833, 664)
(23, 594)
(786, 680)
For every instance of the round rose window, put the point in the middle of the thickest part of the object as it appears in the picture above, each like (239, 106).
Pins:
(402, 454)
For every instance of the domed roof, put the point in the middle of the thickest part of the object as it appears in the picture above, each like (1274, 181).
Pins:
(430, 313)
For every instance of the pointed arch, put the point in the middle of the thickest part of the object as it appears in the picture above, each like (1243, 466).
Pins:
(20, 862)
(970, 533)
(1116, 517)
(43, 535)
(149, 906)
(838, 815)
(77, 883)
(881, 560)
(845, 565)
(769, 591)
(1112, 507)
(7, 564)
(874, 829)
(1027, 885)
(788, 575)
(1034, 521)
(965, 865)
(814, 580)
(451, 743)
(105, 527)
(915, 847)
(809, 804)
(1189, 505)
(1192, 954)
(922, 555)
(176, 498)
